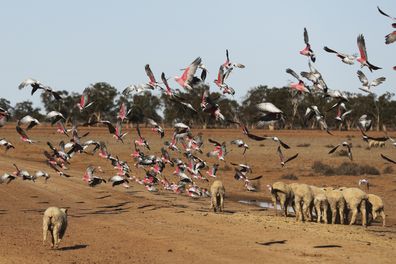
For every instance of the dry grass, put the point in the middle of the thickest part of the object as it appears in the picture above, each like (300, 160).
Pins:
(388, 170)
(346, 168)
(304, 145)
(289, 176)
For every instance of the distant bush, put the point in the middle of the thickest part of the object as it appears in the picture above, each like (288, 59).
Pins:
(388, 170)
(329, 146)
(319, 167)
(289, 176)
(346, 168)
(304, 145)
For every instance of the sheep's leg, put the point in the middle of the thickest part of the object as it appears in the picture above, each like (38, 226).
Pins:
(325, 208)
(374, 215)
(45, 230)
(354, 214)
(213, 202)
(383, 217)
(342, 213)
(221, 203)
(364, 215)
(306, 211)
(55, 235)
(52, 237)
(333, 209)
(274, 202)
(284, 207)
(297, 206)
(318, 212)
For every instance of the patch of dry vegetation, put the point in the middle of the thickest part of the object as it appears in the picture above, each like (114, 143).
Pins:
(346, 168)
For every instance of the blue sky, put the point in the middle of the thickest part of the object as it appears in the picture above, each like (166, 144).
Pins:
(71, 44)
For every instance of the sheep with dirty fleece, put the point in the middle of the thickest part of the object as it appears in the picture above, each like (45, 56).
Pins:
(217, 191)
(54, 221)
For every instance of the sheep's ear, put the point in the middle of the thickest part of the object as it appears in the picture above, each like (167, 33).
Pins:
(64, 210)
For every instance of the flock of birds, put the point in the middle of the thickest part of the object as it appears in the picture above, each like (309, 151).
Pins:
(183, 144)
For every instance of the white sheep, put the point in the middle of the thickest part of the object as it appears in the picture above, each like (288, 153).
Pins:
(55, 221)
(376, 207)
(217, 191)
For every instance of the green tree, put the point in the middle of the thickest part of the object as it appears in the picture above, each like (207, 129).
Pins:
(66, 106)
(26, 108)
(144, 106)
(103, 95)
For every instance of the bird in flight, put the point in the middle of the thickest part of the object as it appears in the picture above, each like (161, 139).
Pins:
(345, 58)
(363, 59)
(307, 51)
(391, 37)
(35, 84)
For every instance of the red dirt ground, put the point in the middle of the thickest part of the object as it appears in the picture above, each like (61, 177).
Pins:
(117, 225)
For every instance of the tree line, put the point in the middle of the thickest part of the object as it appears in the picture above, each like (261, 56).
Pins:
(107, 100)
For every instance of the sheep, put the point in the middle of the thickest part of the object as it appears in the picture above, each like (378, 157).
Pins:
(217, 191)
(55, 221)
(321, 205)
(375, 206)
(356, 199)
(336, 201)
(283, 193)
(302, 194)
(375, 143)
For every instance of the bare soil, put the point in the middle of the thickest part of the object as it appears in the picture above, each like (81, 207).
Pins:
(117, 225)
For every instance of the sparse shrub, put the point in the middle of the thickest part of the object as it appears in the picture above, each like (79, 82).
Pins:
(303, 145)
(329, 146)
(289, 176)
(346, 168)
(322, 168)
(369, 170)
(388, 170)
(262, 145)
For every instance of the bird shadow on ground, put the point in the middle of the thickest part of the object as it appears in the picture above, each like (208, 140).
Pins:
(102, 197)
(114, 205)
(33, 210)
(269, 243)
(75, 247)
(328, 246)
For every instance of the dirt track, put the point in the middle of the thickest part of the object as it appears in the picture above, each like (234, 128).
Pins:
(117, 225)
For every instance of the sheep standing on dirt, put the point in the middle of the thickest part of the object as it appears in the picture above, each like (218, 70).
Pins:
(320, 203)
(336, 201)
(321, 206)
(303, 198)
(283, 193)
(55, 221)
(356, 199)
(375, 144)
(217, 191)
(375, 206)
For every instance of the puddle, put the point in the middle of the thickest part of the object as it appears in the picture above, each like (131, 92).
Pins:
(266, 205)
